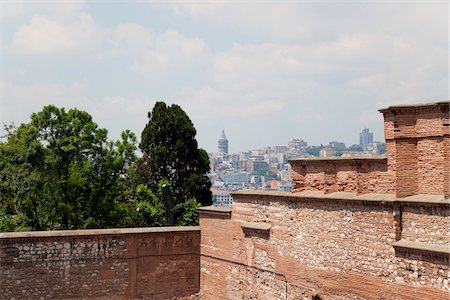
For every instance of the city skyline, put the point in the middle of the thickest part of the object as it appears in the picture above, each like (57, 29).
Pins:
(264, 72)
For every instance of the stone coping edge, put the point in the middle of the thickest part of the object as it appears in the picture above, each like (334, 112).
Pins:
(346, 196)
(418, 105)
(215, 209)
(256, 226)
(92, 232)
(410, 245)
(339, 159)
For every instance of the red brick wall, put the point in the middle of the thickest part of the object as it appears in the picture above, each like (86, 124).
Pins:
(417, 147)
(157, 263)
(427, 224)
(406, 167)
(355, 175)
(337, 249)
(417, 158)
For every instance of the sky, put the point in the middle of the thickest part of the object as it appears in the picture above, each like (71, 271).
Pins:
(264, 71)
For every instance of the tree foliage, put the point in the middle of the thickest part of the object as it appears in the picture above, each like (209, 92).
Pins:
(60, 172)
(170, 152)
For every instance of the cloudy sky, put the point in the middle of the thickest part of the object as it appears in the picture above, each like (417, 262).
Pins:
(266, 72)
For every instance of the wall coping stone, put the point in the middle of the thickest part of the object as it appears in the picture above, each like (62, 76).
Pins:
(411, 245)
(414, 106)
(339, 158)
(345, 196)
(218, 212)
(256, 226)
(218, 209)
(91, 232)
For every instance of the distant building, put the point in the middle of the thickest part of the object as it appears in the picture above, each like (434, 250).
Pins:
(236, 178)
(327, 152)
(338, 145)
(297, 144)
(223, 143)
(256, 164)
(280, 149)
(222, 199)
(365, 137)
(285, 186)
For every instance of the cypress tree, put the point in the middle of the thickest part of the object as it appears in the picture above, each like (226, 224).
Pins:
(170, 152)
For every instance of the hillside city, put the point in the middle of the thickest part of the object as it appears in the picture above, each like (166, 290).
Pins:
(268, 168)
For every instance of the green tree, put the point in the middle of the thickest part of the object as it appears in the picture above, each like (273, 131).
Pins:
(170, 152)
(314, 150)
(60, 172)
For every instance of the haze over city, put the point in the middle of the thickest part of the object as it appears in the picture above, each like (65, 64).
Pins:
(264, 72)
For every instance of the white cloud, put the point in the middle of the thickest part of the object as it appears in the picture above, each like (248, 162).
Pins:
(277, 20)
(327, 65)
(131, 39)
(153, 55)
(42, 36)
(309, 20)
(18, 102)
(19, 9)
(45, 35)
(114, 112)
(370, 117)
(171, 54)
(209, 103)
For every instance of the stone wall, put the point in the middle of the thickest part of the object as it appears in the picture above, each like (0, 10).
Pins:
(417, 138)
(297, 246)
(354, 175)
(417, 158)
(353, 228)
(153, 263)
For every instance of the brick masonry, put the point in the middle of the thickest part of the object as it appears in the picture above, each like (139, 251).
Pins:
(333, 248)
(371, 228)
(150, 263)
(417, 158)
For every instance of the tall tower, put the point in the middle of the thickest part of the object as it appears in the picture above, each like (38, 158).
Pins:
(223, 143)
(365, 137)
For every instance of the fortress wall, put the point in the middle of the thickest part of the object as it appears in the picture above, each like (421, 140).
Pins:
(426, 224)
(417, 147)
(295, 247)
(353, 175)
(417, 158)
(157, 263)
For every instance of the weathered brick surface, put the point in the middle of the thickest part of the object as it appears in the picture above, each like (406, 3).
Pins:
(104, 264)
(355, 228)
(427, 224)
(418, 148)
(357, 175)
(406, 167)
(417, 158)
(338, 249)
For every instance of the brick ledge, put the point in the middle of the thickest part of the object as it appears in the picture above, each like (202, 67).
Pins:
(344, 196)
(88, 232)
(256, 226)
(418, 246)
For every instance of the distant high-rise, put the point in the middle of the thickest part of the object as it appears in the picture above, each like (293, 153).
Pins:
(365, 137)
(223, 143)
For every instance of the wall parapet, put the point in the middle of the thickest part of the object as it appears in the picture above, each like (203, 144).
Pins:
(361, 175)
(125, 263)
(95, 232)
(417, 158)
(382, 199)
